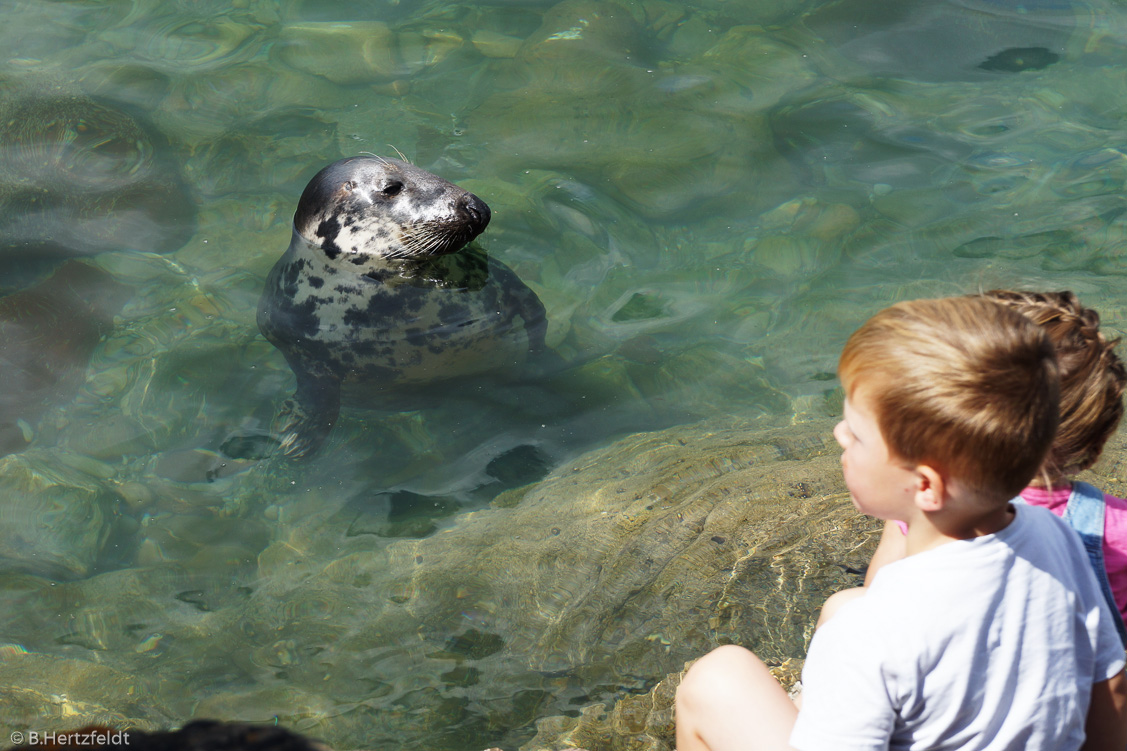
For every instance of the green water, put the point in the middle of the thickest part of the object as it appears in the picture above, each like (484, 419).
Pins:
(708, 198)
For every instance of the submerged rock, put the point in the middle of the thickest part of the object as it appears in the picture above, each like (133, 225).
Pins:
(345, 53)
(362, 52)
(62, 694)
(581, 583)
(1017, 59)
(611, 572)
(592, 98)
(54, 520)
(598, 580)
(590, 33)
(641, 722)
(47, 336)
(79, 176)
(937, 42)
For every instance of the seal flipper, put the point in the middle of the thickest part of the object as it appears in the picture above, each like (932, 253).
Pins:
(307, 417)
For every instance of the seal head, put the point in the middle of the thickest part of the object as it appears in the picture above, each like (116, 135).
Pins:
(367, 211)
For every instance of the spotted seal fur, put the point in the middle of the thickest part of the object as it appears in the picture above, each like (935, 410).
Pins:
(373, 299)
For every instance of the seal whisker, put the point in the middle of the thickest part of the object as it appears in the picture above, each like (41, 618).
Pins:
(377, 157)
(433, 238)
(400, 153)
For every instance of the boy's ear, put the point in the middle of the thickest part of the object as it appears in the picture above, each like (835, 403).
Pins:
(931, 489)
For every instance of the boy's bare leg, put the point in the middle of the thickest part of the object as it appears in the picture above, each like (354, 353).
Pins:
(729, 701)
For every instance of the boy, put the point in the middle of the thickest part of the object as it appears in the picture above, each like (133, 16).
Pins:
(992, 632)
(1092, 380)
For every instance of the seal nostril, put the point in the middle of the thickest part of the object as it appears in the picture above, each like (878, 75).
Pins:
(477, 209)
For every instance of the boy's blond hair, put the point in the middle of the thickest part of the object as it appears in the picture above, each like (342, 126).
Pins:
(963, 384)
(1092, 376)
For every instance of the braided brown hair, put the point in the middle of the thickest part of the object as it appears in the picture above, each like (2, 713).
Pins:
(1092, 377)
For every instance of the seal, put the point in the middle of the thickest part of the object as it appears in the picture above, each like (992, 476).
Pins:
(373, 299)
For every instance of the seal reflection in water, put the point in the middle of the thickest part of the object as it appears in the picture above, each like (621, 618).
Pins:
(374, 298)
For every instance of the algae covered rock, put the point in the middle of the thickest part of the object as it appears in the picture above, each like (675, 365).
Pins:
(591, 33)
(595, 582)
(660, 546)
(63, 694)
(642, 722)
(54, 520)
(605, 576)
(639, 722)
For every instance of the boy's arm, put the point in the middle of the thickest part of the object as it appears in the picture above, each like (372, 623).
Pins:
(893, 546)
(1106, 726)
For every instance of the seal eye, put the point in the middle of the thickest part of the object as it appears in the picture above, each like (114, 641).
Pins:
(349, 186)
(393, 189)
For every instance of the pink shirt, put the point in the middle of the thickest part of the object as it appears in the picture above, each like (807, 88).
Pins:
(1115, 535)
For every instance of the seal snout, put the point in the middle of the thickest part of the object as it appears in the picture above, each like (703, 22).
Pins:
(477, 212)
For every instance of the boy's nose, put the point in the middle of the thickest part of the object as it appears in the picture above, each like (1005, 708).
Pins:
(839, 433)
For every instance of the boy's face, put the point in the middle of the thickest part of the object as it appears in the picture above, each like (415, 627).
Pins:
(879, 483)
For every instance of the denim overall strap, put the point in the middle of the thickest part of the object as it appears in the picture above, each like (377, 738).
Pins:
(1085, 514)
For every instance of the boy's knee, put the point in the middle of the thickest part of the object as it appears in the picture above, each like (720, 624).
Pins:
(712, 675)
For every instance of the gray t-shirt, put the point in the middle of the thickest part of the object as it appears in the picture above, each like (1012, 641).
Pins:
(984, 644)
